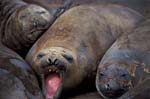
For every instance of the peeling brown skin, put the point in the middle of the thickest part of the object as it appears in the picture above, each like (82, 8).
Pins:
(78, 39)
(17, 78)
(21, 24)
(125, 66)
(141, 91)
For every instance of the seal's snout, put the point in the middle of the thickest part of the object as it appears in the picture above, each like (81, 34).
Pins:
(111, 85)
(33, 17)
(55, 57)
(54, 61)
(112, 89)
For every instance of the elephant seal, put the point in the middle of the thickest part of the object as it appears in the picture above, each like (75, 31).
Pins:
(18, 81)
(126, 64)
(68, 53)
(23, 23)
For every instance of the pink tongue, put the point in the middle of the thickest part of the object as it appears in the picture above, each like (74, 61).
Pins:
(52, 82)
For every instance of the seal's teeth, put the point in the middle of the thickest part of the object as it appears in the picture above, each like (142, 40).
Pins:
(49, 70)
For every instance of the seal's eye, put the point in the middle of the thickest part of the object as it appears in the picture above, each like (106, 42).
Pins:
(124, 74)
(68, 57)
(102, 73)
(40, 55)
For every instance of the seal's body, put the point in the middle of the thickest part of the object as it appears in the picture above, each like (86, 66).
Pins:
(126, 64)
(141, 91)
(21, 24)
(68, 53)
(17, 78)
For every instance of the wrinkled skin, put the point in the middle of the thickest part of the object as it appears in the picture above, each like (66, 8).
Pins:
(22, 24)
(73, 45)
(125, 66)
(17, 78)
(140, 91)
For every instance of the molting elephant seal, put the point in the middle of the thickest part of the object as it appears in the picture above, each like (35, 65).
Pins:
(23, 23)
(126, 65)
(69, 52)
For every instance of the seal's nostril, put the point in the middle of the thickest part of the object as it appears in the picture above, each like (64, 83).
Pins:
(49, 61)
(56, 61)
(107, 87)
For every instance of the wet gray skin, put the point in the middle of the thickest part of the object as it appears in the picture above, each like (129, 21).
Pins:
(124, 69)
(18, 81)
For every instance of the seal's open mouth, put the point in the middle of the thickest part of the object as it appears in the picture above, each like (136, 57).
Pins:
(52, 80)
(51, 83)
(112, 94)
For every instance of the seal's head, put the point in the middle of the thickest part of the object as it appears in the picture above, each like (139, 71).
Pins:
(112, 80)
(57, 69)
